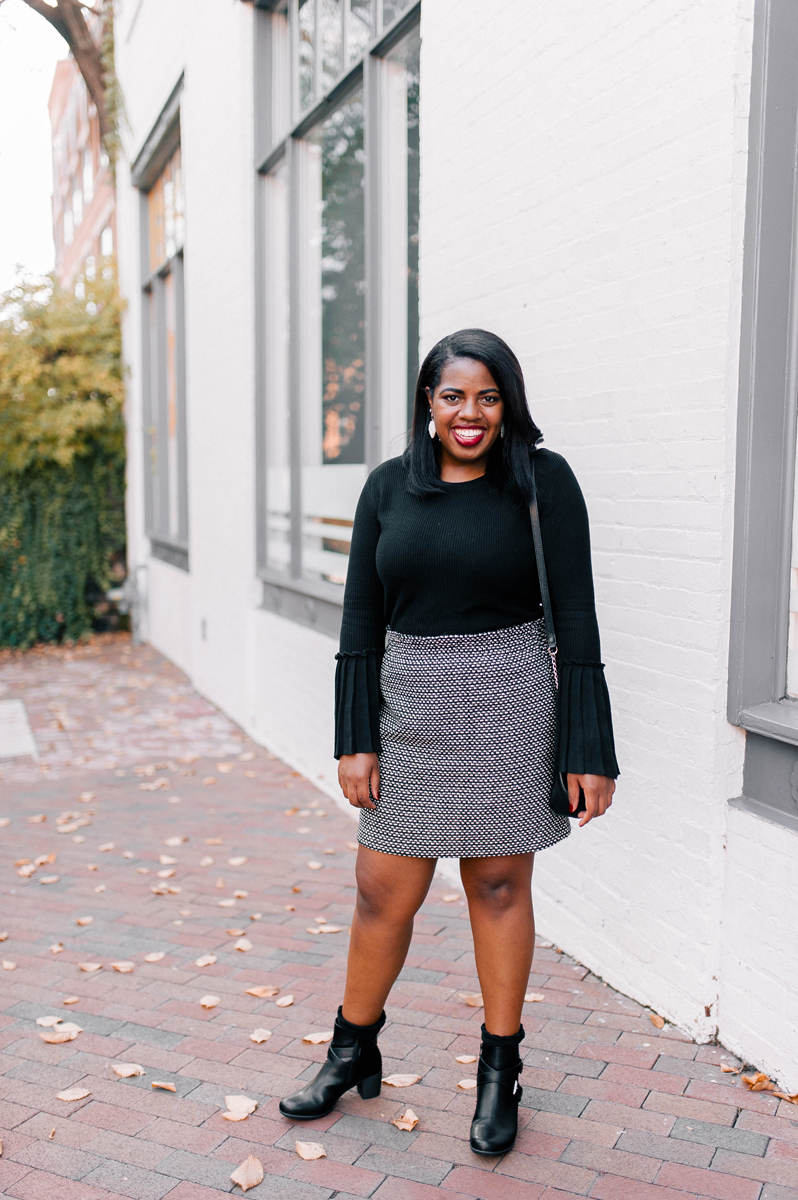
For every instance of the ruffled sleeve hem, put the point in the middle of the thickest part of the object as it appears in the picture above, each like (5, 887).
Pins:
(357, 702)
(585, 742)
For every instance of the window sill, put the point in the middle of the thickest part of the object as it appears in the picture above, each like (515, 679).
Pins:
(315, 604)
(776, 718)
(168, 552)
(757, 808)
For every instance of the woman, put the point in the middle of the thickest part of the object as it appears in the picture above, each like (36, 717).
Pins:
(448, 736)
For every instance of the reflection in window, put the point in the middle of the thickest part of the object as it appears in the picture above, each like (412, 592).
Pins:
(306, 36)
(360, 27)
(165, 209)
(276, 385)
(331, 41)
(391, 9)
(408, 55)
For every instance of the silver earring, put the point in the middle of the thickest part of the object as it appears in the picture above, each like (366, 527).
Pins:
(502, 430)
(431, 427)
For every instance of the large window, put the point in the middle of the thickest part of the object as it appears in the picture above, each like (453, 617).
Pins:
(338, 277)
(164, 363)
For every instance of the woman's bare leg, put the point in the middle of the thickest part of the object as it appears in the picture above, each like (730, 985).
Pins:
(390, 890)
(499, 893)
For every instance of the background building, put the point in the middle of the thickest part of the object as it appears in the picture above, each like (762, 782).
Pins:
(83, 190)
(318, 190)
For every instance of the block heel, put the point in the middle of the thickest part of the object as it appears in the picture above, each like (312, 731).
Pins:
(369, 1089)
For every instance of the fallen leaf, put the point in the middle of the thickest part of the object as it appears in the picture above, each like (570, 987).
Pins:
(351, 845)
(127, 1070)
(167, 873)
(310, 1150)
(316, 1039)
(226, 903)
(50, 1137)
(209, 1001)
(61, 1033)
(26, 872)
(237, 862)
(284, 1002)
(224, 768)
(214, 841)
(87, 797)
(234, 932)
(758, 1083)
(328, 851)
(154, 956)
(106, 846)
(8, 965)
(128, 854)
(240, 895)
(534, 997)
(124, 968)
(92, 867)
(57, 948)
(54, 879)
(175, 841)
(44, 859)
(263, 991)
(84, 920)
(243, 944)
(466, 1058)
(296, 889)
(4, 821)
(249, 1174)
(164, 1087)
(239, 1108)
(48, 1022)
(37, 820)
(401, 1080)
(174, 891)
(100, 886)
(290, 907)
(313, 866)
(291, 812)
(467, 1084)
(209, 779)
(220, 882)
(207, 960)
(90, 966)
(260, 1035)
(207, 861)
(4, 936)
(331, 929)
(656, 1020)
(473, 1001)
(247, 756)
(70, 1000)
(166, 860)
(312, 929)
(730, 1070)
(22, 862)
(74, 1093)
(793, 1099)
(450, 897)
(406, 1120)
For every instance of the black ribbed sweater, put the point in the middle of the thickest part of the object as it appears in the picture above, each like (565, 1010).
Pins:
(463, 561)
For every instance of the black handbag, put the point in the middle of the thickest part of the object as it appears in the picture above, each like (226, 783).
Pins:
(558, 798)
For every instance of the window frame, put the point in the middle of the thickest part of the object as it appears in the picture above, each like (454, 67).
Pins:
(158, 148)
(317, 603)
(767, 422)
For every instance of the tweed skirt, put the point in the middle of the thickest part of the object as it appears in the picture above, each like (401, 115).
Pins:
(467, 726)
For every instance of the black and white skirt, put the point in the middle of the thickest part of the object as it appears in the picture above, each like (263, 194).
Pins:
(467, 724)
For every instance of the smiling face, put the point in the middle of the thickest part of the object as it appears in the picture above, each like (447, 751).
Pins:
(468, 412)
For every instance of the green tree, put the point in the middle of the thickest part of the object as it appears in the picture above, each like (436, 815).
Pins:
(62, 456)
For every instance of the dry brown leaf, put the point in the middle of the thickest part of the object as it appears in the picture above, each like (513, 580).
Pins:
(73, 1093)
(534, 997)
(328, 851)
(174, 891)
(351, 845)
(239, 1104)
(759, 1082)
(239, 861)
(730, 1070)
(310, 1150)
(67, 1032)
(249, 1174)
(243, 944)
(401, 1080)
(50, 879)
(313, 866)
(84, 920)
(127, 1070)
(247, 756)
(106, 846)
(166, 873)
(209, 1001)
(473, 1001)
(467, 1084)
(37, 820)
(214, 841)
(175, 841)
(26, 872)
(289, 907)
(234, 932)
(226, 903)
(8, 965)
(260, 1035)
(450, 897)
(209, 779)
(4, 936)
(87, 797)
(207, 960)
(207, 861)
(224, 768)
(90, 966)
(263, 991)
(4, 821)
(22, 862)
(316, 1039)
(240, 895)
(57, 948)
(284, 1002)
(48, 1022)
(331, 929)
(100, 887)
(296, 889)
(656, 1020)
(793, 1099)
(154, 956)
(70, 1000)
(406, 1120)
(164, 1087)
(166, 860)
(291, 812)
(50, 1137)
(466, 1058)
(124, 968)
(312, 929)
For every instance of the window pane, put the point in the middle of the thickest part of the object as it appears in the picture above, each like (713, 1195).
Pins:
(306, 43)
(361, 24)
(172, 469)
(412, 56)
(792, 639)
(391, 10)
(331, 41)
(334, 413)
(276, 383)
(165, 211)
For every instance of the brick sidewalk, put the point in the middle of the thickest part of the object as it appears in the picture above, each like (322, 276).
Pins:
(613, 1108)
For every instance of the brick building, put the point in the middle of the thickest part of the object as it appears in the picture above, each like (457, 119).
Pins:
(84, 219)
(313, 194)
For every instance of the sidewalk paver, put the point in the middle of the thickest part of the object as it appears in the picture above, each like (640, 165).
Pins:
(165, 836)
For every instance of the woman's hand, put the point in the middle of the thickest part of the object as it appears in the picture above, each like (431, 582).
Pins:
(598, 791)
(356, 772)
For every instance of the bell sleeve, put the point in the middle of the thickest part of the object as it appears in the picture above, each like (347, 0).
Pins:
(357, 672)
(585, 740)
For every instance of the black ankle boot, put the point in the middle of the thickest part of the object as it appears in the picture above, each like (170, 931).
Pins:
(353, 1060)
(495, 1123)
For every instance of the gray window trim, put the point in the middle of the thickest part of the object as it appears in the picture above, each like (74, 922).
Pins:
(766, 426)
(310, 602)
(160, 143)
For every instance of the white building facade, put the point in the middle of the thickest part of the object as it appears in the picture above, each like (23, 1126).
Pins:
(315, 191)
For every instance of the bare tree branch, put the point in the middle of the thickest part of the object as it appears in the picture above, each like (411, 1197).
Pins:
(67, 17)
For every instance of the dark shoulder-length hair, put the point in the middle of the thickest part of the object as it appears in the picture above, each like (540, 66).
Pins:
(509, 459)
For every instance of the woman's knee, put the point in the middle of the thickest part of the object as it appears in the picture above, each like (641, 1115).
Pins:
(497, 891)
